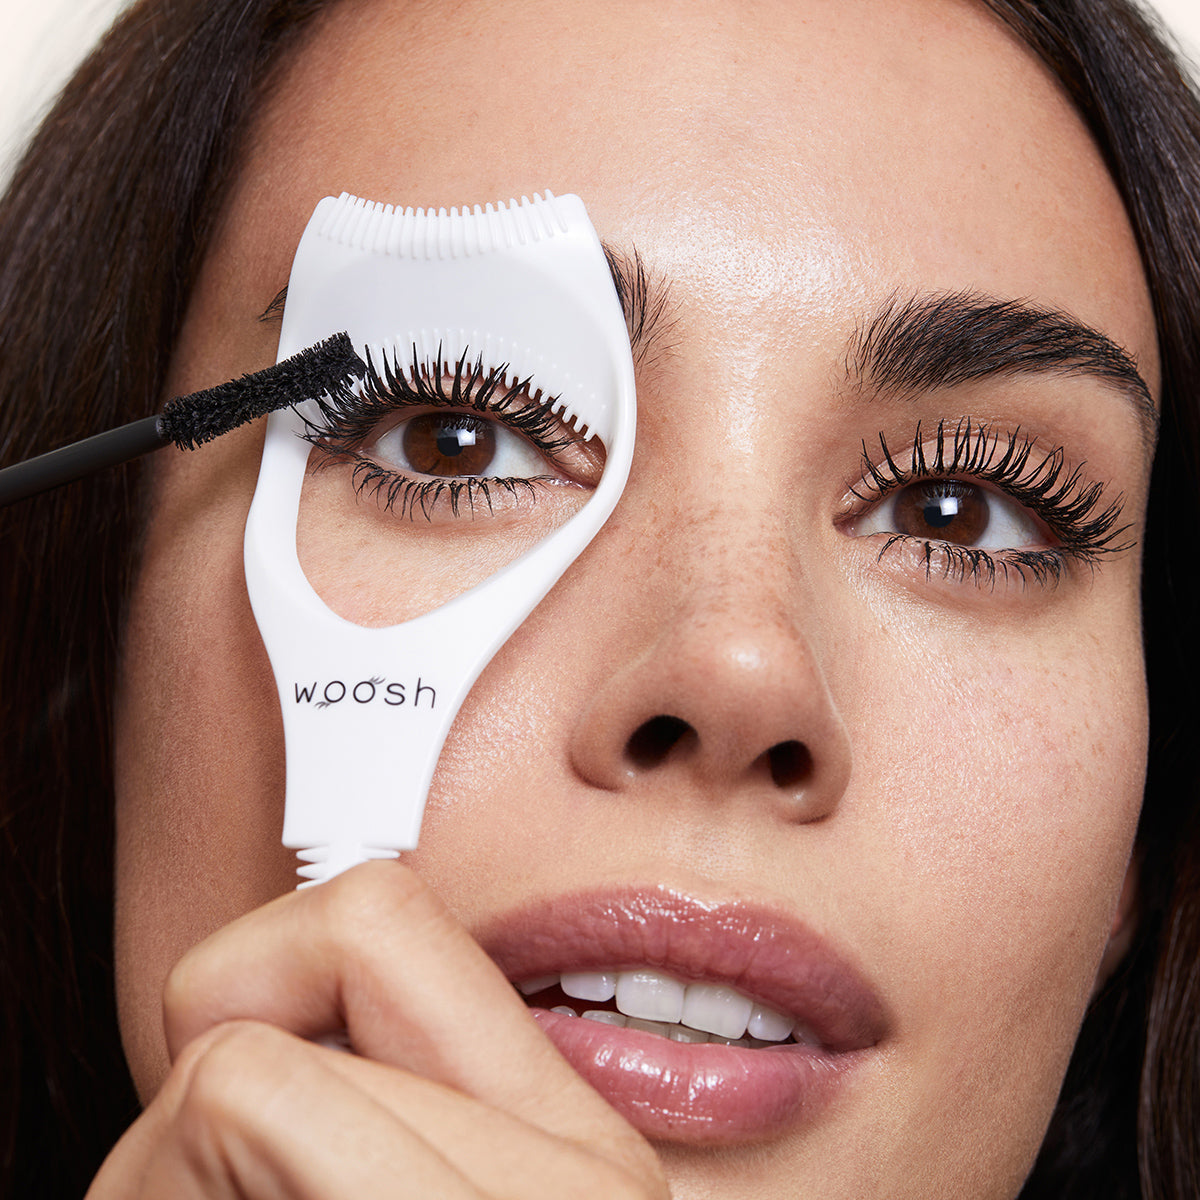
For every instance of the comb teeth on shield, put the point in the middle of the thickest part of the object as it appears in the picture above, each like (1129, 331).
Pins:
(483, 282)
(524, 286)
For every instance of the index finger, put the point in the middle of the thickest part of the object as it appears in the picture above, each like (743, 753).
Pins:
(376, 953)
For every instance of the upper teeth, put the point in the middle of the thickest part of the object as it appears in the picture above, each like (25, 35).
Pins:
(654, 996)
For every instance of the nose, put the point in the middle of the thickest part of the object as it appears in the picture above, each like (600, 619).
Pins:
(727, 699)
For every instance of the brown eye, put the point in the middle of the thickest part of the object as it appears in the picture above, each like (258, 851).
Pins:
(943, 510)
(449, 444)
(954, 511)
(457, 445)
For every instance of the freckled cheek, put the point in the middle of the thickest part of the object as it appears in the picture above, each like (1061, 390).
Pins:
(996, 807)
(1012, 833)
(377, 566)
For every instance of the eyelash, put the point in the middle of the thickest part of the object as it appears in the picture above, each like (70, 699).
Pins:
(350, 419)
(1056, 493)
(1050, 488)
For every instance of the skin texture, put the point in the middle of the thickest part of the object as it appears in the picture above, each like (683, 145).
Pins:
(963, 834)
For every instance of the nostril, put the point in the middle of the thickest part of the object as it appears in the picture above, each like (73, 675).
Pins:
(653, 740)
(790, 763)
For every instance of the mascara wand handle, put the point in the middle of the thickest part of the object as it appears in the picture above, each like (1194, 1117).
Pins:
(65, 465)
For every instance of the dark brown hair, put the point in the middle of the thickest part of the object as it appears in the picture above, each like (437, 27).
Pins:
(101, 234)
(1128, 1119)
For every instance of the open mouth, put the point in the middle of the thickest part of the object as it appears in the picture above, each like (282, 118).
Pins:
(655, 1002)
(701, 1021)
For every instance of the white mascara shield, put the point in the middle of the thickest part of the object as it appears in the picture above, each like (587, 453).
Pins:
(366, 710)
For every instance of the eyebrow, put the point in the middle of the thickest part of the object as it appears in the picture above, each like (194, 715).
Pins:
(643, 298)
(274, 310)
(939, 341)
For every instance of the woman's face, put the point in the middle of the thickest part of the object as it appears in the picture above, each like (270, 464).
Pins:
(963, 734)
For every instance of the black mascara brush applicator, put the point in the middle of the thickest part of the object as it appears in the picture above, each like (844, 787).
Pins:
(190, 421)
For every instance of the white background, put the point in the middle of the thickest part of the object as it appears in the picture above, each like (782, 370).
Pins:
(41, 40)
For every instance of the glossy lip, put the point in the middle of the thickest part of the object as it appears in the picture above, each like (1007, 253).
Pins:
(681, 1091)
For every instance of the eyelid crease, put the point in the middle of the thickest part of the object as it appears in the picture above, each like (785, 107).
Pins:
(914, 346)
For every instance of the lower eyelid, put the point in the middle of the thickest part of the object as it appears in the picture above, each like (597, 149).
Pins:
(935, 562)
(436, 498)
(412, 498)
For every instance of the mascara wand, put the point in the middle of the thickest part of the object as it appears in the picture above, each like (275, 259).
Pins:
(190, 421)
